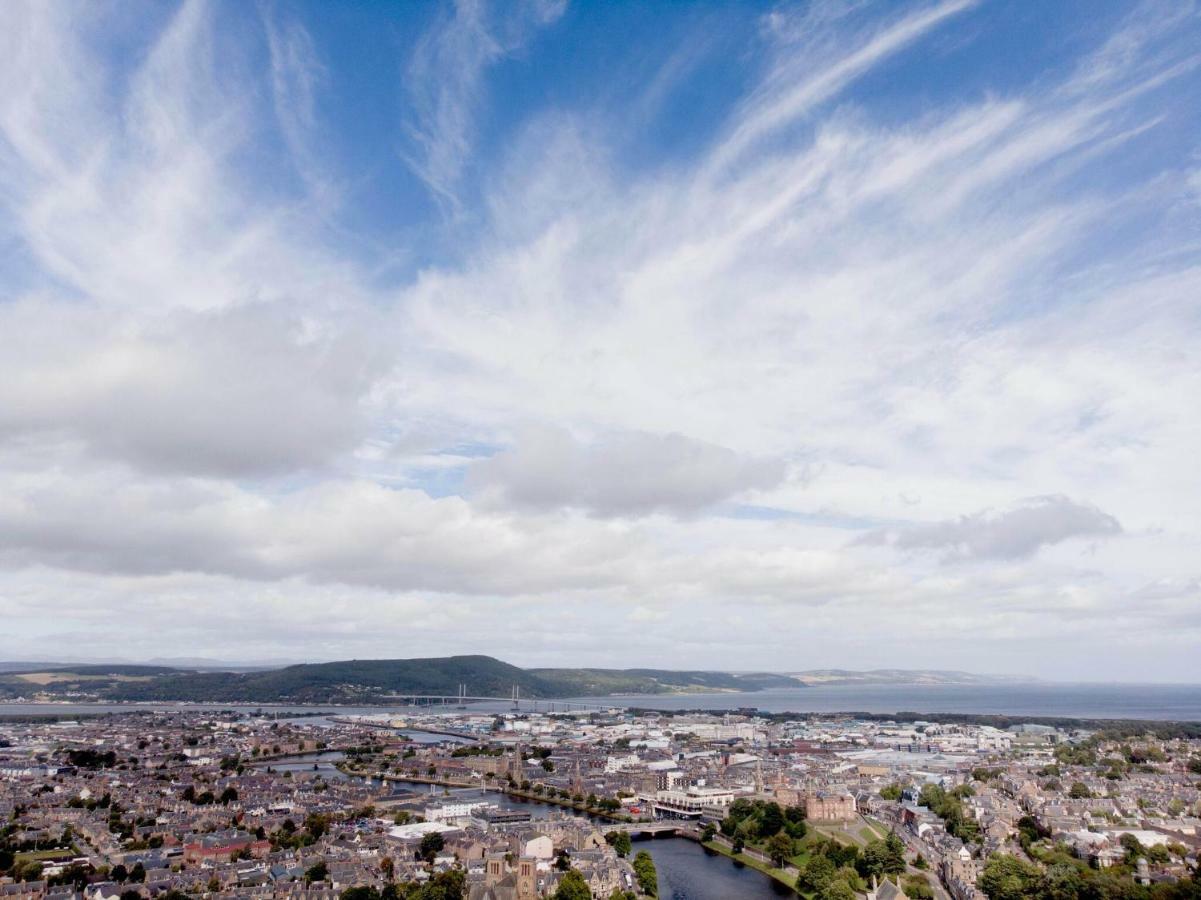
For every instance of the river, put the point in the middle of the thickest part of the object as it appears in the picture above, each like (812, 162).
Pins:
(687, 871)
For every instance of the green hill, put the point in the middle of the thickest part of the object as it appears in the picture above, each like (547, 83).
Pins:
(365, 681)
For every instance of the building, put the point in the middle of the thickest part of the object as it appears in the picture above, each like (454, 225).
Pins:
(824, 806)
(501, 883)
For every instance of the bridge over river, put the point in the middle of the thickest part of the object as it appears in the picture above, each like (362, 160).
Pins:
(515, 700)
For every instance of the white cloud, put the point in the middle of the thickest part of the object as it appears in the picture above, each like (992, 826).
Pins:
(207, 399)
(444, 81)
(1013, 533)
(623, 473)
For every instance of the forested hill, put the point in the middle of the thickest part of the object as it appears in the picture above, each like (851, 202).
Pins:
(363, 681)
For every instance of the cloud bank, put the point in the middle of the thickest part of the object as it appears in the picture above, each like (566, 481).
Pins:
(402, 332)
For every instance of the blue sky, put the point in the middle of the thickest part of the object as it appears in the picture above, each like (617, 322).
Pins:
(731, 335)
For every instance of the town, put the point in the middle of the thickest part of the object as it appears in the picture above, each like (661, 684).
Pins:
(516, 804)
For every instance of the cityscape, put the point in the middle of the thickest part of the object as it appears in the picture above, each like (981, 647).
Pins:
(442, 800)
(600, 449)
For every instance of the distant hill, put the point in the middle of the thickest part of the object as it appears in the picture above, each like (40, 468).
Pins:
(597, 682)
(362, 681)
(377, 680)
(902, 676)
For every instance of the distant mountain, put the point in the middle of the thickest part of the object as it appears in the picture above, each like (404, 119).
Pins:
(902, 676)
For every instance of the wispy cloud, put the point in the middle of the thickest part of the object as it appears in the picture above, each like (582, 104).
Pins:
(211, 394)
(444, 81)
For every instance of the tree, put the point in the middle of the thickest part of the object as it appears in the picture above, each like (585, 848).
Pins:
(882, 858)
(360, 892)
(620, 840)
(644, 871)
(817, 874)
(431, 845)
(738, 845)
(891, 792)
(837, 890)
(894, 854)
(448, 885)
(1006, 877)
(780, 848)
(1079, 791)
(318, 871)
(229, 795)
(572, 886)
(709, 833)
(917, 887)
(771, 820)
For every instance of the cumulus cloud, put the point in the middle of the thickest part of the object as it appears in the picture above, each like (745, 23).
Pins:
(622, 473)
(1017, 532)
(246, 392)
(219, 387)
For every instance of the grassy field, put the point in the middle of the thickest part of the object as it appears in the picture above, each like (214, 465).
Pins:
(42, 855)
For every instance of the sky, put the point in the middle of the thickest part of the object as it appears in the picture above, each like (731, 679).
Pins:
(707, 335)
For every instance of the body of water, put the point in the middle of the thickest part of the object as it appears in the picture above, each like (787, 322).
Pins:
(1168, 702)
(687, 871)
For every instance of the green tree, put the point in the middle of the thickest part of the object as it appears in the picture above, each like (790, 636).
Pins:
(771, 820)
(620, 840)
(644, 872)
(318, 871)
(894, 854)
(431, 844)
(837, 890)
(780, 848)
(360, 892)
(1006, 877)
(1079, 791)
(817, 874)
(891, 792)
(572, 886)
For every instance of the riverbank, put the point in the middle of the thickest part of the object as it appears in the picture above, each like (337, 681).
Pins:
(785, 877)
